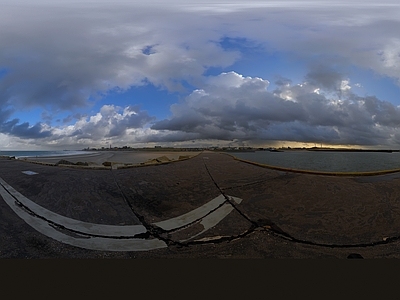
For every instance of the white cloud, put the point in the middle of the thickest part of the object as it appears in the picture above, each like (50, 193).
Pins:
(344, 85)
(112, 124)
(60, 54)
(232, 106)
(72, 51)
(69, 51)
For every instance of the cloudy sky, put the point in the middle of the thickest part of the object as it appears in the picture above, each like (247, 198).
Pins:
(76, 74)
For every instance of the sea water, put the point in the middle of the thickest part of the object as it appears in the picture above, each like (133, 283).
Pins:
(326, 160)
(21, 154)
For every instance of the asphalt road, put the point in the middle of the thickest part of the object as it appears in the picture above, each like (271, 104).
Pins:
(209, 206)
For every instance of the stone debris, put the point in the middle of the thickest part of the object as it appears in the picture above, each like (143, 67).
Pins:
(7, 157)
(184, 157)
(64, 162)
(79, 163)
(150, 161)
(162, 159)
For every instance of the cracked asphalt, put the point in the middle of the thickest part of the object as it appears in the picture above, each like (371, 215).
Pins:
(281, 214)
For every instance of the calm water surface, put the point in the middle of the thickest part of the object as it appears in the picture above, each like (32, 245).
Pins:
(20, 154)
(326, 161)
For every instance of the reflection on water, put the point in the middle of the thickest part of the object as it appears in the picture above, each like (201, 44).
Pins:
(20, 154)
(326, 161)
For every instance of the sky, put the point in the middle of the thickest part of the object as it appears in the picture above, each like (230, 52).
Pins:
(78, 74)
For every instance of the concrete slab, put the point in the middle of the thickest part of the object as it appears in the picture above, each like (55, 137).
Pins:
(68, 223)
(90, 196)
(213, 219)
(73, 231)
(163, 192)
(87, 242)
(325, 210)
(192, 216)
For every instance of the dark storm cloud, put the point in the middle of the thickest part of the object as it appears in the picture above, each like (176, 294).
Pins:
(24, 130)
(325, 78)
(64, 52)
(167, 137)
(64, 56)
(5, 115)
(70, 118)
(282, 81)
(244, 111)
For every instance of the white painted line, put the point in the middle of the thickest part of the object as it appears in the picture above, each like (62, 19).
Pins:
(29, 172)
(236, 199)
(92, 243)
(196, 214)
(76, 225)
(191, 216)
(213, 219)
(211, 214)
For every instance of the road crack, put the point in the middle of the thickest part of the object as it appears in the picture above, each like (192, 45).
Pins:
(270, 227)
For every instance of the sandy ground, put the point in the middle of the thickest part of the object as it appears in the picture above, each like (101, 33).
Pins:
(125, 157)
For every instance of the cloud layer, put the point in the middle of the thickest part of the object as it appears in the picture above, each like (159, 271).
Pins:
(65, 56)
(231, 107)
(234, 108)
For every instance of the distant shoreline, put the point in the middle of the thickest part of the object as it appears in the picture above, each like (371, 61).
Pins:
(312, 149)
(353, 150)
(326, 160)
(123, 157)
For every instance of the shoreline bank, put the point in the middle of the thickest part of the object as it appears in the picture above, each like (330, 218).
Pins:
(117, 157)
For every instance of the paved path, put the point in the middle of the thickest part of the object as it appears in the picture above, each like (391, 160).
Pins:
(207, 206)
(109, 237)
